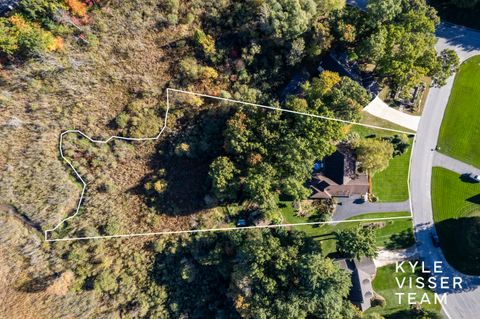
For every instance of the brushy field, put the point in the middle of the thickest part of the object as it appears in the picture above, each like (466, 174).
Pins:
(461, 122)
(456, 208)
(128, 58)
(86, 88)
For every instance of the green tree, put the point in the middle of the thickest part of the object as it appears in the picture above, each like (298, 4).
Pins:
(399, 37)
(356, 242)
(372, 48)
(222, 173)
(259, 184)
(42, 11)
(256, 272)
(287, 19)
(105, 282)
(205, 41)
(383, 10)
(448, 63)
(19, 36)
(374, 155)
(296, 53)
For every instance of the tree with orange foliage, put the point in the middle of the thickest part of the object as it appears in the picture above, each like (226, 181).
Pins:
(77, 7)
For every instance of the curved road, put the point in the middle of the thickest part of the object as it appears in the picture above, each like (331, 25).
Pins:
(461, 303)
(465, 302)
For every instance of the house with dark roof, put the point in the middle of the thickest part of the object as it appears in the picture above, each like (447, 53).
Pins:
(362, 273)
(339, 176)
(6, 6)
(340, 63)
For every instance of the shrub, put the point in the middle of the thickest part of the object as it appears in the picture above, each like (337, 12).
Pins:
(189, 68)
(19, 36)
(378, 300)
(160, 186)
(105, 282)
(42, 11)
(112, 227)
(182, 149)
(205, 41)
(122, 120)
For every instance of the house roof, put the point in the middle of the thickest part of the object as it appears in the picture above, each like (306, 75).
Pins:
(7, 6)
(362, 273)
(339, 177)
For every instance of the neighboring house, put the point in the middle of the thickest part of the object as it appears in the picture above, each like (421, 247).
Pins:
(362, 273)
(339, 176)
(294, 87)
(6, 6)
(339, 62)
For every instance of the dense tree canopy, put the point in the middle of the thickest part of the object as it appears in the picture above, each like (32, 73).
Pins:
(398, 37)
(258, 274)
(357, 242)
(274, 151)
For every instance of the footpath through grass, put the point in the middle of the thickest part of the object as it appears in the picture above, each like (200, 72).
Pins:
(461, 123)
(456, 212)
(385, 285)
(393, 234)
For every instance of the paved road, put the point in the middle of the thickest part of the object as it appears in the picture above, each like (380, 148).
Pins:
(454, 165)
(461, 303)
(351, 207)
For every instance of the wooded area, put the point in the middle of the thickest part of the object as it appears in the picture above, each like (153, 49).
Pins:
(103, 67)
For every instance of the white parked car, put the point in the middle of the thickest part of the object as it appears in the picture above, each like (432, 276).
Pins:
(475, 178)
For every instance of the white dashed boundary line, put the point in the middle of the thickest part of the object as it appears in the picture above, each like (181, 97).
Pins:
(84, 184)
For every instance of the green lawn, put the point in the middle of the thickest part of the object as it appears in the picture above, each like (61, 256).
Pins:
(456, 211)
(391, 185)
(394, 234)
(385, 285)
(461, 123)
(376, 121)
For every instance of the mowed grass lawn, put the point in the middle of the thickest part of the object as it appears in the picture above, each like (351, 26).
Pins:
(391, 185)
(395, 234)
(385, 285)
(461, 123)
(456, 212)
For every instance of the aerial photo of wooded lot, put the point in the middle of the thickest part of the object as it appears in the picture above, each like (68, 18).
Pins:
(214, 158)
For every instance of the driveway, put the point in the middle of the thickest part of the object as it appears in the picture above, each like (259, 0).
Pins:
(454, 165)
(380, 109)
(351, 207)
(387, 257)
